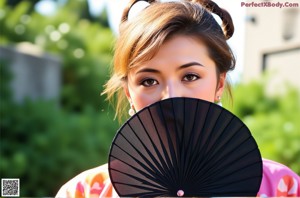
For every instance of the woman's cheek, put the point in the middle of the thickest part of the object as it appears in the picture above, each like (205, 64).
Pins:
(204, 90)
(143, 100)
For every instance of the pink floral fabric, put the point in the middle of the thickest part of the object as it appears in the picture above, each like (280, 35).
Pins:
(278, 181)
(90, 184)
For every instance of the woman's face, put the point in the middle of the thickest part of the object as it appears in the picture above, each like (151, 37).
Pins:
(181, 68)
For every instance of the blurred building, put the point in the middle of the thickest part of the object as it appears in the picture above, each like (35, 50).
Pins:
(36, 75)
(272, 44)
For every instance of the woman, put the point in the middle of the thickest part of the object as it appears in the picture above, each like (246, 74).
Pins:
(173, 49)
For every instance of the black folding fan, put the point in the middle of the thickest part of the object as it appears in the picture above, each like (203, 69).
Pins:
(185, 147)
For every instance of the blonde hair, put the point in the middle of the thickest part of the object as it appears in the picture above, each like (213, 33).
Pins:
(142, 36)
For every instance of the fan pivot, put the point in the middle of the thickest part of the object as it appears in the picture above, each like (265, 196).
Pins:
(180, 193)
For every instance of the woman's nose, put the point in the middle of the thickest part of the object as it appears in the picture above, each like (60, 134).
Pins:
(171, 91)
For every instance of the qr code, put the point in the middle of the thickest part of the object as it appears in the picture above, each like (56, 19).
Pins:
(10, 187)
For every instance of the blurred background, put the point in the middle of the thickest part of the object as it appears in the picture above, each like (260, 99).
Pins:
(55, 56)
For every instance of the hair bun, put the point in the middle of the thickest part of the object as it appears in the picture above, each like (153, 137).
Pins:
(130, 5)
(227, 24)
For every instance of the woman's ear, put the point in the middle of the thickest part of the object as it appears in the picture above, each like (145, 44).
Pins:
(220, 87)
(126, 90)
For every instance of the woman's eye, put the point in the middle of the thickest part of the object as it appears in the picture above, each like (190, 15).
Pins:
(190, 77)
(149, 82)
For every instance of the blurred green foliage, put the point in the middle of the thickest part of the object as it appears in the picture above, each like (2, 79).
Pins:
(45, 145)
(42, 143)
(85, 47)
(272, 119)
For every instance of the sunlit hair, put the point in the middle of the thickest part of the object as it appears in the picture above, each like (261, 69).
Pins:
(142, 36)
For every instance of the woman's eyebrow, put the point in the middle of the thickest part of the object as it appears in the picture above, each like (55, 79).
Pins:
(190, 64)
(181, 67)
(147, 70)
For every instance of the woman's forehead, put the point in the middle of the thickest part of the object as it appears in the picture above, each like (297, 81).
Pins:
(177, 51)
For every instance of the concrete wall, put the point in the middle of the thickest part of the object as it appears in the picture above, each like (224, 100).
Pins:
(273, 36)
(36, 75)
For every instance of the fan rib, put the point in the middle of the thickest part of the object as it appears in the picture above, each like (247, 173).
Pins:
(171, 147)
(178, 145)
(153, 168)
(217, 170)
(235, 194)
(161, 170)
(210, 134)
(145, 194)
(139, 187)
(211, 191)
(133, 167)
(182, 143)
(189, 148)
(144, 182)
(208, 184)
(201, 164)
(217, 163)
(137, 170)
(168, 175)
(140, 163)
(237, 159)
(145, 147)
(211, 187)
(218, 139)
(228, 152)
(194, 157)
(212, 156)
